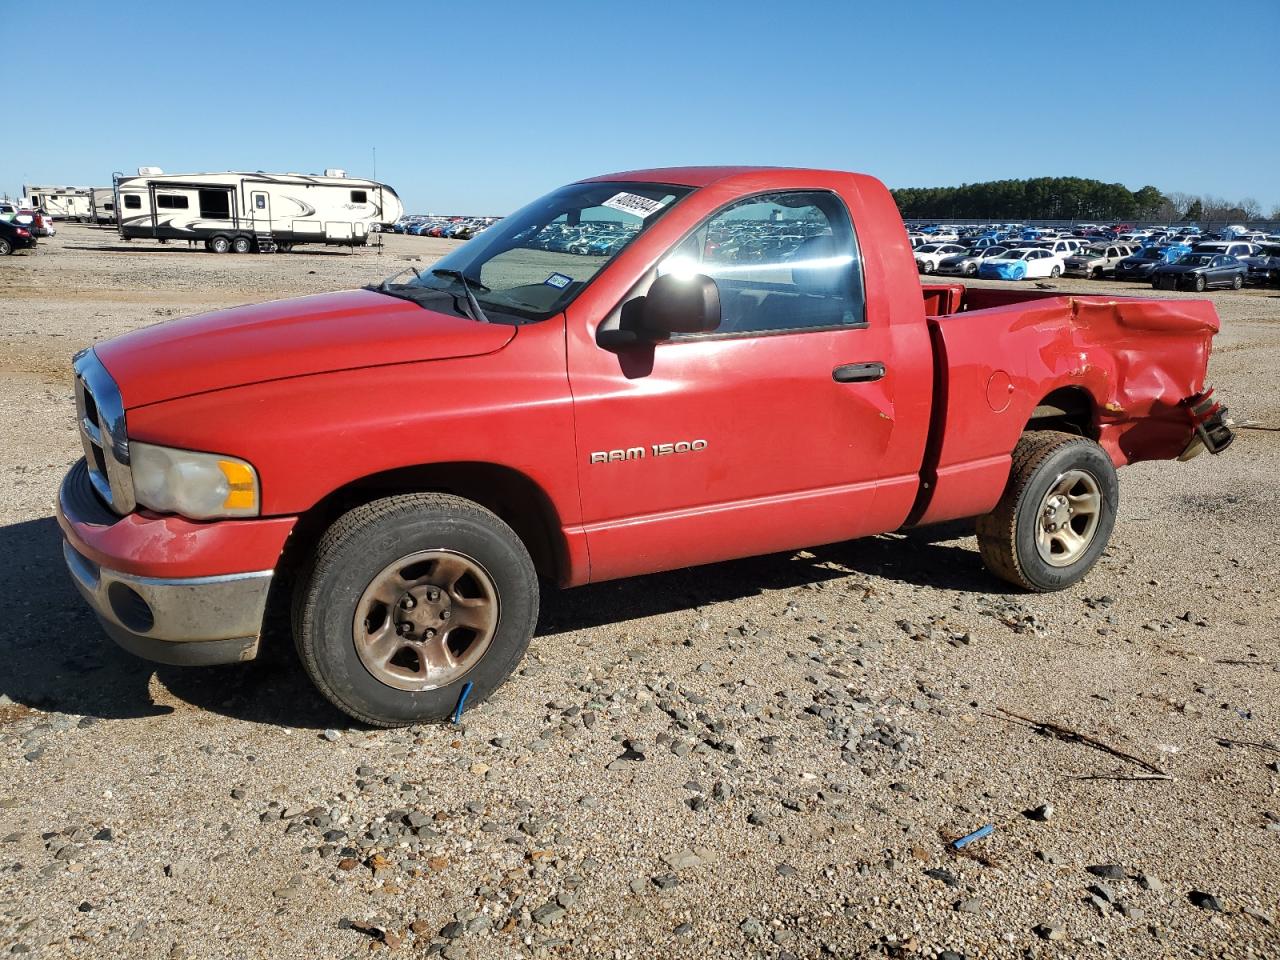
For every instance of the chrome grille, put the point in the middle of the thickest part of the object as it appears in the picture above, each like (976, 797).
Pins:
(100, 412)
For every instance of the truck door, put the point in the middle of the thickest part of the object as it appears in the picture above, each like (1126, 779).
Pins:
(767, 434)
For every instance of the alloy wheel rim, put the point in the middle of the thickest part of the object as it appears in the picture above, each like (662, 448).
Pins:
(426, 620)
(1068, 518)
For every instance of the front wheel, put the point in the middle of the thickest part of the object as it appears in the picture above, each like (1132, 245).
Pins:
(1200, 283)
(242, 245)
(409, 599)
(220, 244)
(1056, 514)
(1237, 282)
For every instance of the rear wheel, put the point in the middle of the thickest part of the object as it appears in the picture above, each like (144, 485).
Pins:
(1056, 514)
(242, 245)
(6, 247)
(409, 599)
(1055, 272)
(219, 244)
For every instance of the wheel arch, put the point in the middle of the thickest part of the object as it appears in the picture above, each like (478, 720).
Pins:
(512, 495)
(1068, 410)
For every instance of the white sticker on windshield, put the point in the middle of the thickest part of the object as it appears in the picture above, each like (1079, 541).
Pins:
(634, 204)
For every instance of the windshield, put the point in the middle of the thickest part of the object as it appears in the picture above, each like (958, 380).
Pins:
(1195, 260)
(995, 251)
(530, 265)
(1096, 252)
(1150, 253)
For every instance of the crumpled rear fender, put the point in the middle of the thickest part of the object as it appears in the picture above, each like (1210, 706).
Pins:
(1142, 363)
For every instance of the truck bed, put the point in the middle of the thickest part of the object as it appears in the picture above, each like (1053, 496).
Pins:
(1004, 356)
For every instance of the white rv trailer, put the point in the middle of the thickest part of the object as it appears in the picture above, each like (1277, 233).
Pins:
(61, 203)
(102, 205)
(244, 212)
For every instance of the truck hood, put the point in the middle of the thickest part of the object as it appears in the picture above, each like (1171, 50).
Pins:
(287, 338)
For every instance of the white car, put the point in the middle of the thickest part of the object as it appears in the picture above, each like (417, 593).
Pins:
(1064, 247)
(1030, 262)
(928, 255)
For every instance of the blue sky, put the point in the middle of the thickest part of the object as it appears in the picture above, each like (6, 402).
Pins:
(476, 107)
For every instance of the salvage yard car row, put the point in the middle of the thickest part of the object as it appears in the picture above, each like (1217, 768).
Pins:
(1193, 263)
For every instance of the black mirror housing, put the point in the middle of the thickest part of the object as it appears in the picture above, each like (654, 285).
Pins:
(674, 304)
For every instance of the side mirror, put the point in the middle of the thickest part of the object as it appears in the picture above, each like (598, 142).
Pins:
(689, 304)
(674, 304)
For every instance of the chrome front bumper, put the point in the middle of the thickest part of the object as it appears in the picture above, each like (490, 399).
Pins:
(188, 621)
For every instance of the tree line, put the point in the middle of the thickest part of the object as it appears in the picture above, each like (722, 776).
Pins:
(1068, 198)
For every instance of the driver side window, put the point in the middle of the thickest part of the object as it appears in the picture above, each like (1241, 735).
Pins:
(782, 262)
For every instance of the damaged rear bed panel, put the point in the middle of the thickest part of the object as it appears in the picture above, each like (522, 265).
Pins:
(1001, 352)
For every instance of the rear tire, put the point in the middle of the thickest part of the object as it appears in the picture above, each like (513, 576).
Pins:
(6, 247)
(342, 627)
(242, 245)
(1056, 514)
(1055, 273)
(219, 244)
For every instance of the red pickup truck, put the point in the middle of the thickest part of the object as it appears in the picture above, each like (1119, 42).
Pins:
(634, 373)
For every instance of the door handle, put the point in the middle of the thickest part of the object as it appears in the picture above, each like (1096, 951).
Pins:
(858, 372)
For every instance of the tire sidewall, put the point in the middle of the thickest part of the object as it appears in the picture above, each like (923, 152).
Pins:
(1080, 455)
(6, 248)
(361, 556)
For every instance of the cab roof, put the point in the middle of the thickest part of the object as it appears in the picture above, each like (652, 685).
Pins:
(682, 176)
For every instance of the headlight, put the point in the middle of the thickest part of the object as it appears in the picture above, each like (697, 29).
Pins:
(196, 485)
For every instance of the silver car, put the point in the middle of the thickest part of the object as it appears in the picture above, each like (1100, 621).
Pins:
(1097, 261)
(966, 264)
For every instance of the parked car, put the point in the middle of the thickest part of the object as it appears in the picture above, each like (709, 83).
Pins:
(966, 264)
(1199, 271)
(927, 256)
(42, 225)
(243, 455)
(14, 236)
(1264, 267)
(1232, 248)
(8, 211)
(1096, 261)
(1138, 266)
(1024, 263)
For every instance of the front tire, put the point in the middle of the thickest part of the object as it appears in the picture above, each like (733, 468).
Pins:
(1200, 283)
(1056, 514)
(220, 244)
(408, 599)
(1237, 282)
(242, 245)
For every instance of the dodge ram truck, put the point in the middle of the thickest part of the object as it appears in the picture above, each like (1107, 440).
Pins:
(635, 373)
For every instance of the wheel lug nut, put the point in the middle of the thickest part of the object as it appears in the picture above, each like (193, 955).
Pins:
(445, 614)
(428, 633)
(407, 603)
(404, 628)
(433, 595)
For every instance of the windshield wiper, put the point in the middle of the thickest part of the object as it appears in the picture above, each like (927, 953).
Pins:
(476, 313)
(385, 285)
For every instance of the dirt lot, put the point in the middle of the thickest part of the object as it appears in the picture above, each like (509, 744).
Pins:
(814, 728)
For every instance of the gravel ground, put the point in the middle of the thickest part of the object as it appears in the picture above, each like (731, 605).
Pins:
(761, 758)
